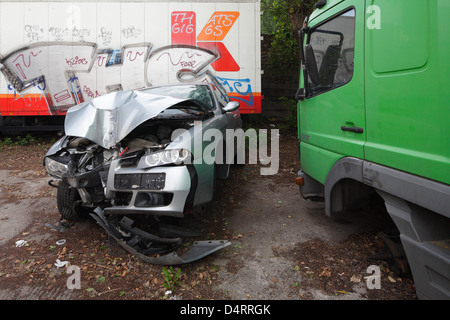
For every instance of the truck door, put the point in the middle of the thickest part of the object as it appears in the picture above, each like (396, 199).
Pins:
(407, 96)
(332, 121)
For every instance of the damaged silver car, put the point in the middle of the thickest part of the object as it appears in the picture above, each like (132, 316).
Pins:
(141, 152)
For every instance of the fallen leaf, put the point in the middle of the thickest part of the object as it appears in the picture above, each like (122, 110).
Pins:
(391, 279)
(325, 272)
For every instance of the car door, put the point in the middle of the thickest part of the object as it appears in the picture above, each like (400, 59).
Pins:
(213, 136)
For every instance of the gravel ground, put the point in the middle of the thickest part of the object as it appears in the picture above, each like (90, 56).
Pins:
(282, 247)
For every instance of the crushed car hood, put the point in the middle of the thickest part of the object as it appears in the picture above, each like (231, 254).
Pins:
(107, 119)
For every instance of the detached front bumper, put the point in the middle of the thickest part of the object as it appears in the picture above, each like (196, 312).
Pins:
(164, 190)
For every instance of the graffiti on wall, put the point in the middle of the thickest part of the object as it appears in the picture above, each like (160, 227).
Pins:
(60, 74)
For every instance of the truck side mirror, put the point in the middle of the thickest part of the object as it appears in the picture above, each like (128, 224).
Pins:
(300, 94)
(311, 65)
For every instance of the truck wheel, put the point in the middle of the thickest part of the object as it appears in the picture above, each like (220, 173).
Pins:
(68, 201)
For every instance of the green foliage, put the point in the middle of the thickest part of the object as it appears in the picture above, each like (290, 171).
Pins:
(19, 140)
(7, 141)
(171, 277)
(268, 23)
(283, 19)
(291, 118)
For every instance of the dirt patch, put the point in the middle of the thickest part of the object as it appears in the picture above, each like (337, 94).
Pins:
(275, 252)
(342, 269)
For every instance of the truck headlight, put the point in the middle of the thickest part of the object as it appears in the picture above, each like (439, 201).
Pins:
(55, 168)
(175, 156)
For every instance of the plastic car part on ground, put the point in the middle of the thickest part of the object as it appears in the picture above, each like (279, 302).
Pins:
(141, 243)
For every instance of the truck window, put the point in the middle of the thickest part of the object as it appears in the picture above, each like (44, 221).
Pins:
(333, 46)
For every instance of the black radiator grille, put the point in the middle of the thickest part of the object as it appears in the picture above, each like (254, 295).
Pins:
(146, 181)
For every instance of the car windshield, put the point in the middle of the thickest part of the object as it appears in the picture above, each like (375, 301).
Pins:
(197, 92)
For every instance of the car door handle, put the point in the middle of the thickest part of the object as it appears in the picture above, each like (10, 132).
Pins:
(352, 129)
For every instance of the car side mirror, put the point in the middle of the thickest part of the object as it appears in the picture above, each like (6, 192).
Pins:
(231, 106)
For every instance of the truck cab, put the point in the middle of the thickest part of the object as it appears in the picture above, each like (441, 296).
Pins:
(374, 120)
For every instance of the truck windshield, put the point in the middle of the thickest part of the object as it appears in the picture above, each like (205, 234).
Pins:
(333, 46)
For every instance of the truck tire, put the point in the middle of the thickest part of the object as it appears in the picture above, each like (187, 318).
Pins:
(68, 201)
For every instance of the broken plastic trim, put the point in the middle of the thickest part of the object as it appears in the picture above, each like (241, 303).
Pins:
(62, 225)
(198, 250)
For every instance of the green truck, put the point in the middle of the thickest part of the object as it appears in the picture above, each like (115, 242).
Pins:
(374, 120)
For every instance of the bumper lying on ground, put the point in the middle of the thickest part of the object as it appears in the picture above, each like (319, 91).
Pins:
(142, 244)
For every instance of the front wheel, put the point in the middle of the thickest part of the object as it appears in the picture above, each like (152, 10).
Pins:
(68, 201)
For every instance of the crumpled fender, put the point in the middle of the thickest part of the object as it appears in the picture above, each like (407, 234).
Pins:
(58, 145)
(107, 119)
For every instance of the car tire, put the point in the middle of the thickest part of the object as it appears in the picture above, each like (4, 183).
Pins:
(67, 201)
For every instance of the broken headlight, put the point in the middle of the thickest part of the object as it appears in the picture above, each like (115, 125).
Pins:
(175, 156)
(55, 168)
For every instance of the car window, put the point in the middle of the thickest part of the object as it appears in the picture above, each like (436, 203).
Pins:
(333, 46)
(221, 96)
(197, 92)
(202, 94)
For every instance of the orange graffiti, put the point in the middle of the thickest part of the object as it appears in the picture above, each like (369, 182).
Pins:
(218, 26)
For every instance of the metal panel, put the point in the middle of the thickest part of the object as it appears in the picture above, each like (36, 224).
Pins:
(122, 35)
